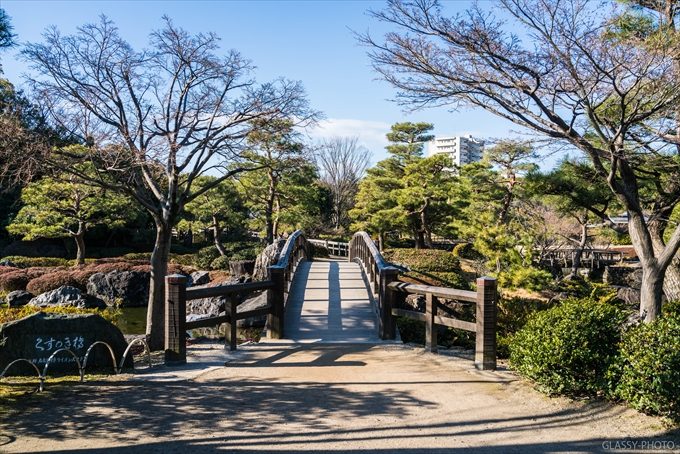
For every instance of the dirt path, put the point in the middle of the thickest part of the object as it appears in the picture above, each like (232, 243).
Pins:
(342, 398)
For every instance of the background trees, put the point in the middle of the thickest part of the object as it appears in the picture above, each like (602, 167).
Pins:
(218, 209)
(569, 79)
(342, 163)
(156, 119)
(65, 207)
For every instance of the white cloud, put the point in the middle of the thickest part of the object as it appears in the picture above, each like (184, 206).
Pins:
(371, 133)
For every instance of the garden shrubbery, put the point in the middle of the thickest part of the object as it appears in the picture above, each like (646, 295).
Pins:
(570, 348)
(53, 280)
(582, 348)
(650, 365)
(29, 262)
(526, 277)
(423, 259)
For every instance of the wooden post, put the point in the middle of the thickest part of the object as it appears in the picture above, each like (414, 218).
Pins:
(175, 319)
(276, 301)
(231, 334)
(430, 327)
(387, 325)
(485, 351)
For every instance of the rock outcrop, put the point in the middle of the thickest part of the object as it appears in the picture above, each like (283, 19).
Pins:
(120, 288)
(67, 296)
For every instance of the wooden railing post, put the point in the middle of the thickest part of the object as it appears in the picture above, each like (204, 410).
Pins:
(430, 327)
(277, 302)
(485, 351)
(386, 298)
(231, 333)
(175, 319)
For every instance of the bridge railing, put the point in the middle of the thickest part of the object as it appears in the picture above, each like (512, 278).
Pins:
(281, 275)
(335, 248)
(380, 275)
(278, 284)
(390, 294)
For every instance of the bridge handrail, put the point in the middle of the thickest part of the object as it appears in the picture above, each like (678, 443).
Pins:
(390, 293)
(280, 277)
(484, 325)
(294, 251)
(380, 274)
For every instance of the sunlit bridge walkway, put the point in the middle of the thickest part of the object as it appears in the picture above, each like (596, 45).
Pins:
(329, 302)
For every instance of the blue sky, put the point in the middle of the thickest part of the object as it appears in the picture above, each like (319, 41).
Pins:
(311, 41)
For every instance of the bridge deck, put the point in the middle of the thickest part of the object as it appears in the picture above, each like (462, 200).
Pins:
(329, 302)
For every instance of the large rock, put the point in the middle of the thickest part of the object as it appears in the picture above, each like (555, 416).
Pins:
(200, 278)
(240, 268)
(208, 307)
(120, 288)
(212, 307)
(18, 298)
(39, 335)
(67, 296)
(268, 257)
(623, 276)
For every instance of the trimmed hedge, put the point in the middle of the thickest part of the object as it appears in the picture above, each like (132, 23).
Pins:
(423, 259)
(17, 313)
(51, 281)
(28, 262)
(650, 365)
(570, 348)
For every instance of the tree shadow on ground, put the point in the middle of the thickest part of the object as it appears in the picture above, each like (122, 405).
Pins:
(253, 414)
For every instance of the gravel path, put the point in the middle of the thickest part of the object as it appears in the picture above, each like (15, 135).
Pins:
(291, 397)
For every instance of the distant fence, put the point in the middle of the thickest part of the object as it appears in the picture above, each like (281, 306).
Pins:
(335, 248)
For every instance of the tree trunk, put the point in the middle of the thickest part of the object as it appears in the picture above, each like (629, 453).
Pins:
(576, 264)
(269, 209)
(217, 234)
(651, 291)
(79, 237)
(381, 241)
(275, 224)
(671, 283)
(418, 238)
(155, 315)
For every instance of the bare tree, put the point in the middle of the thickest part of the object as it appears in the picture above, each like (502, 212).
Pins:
(156, 119)
(568, 79)
(342, 162)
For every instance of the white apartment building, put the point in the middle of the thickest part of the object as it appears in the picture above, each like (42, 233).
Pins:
(462, 150)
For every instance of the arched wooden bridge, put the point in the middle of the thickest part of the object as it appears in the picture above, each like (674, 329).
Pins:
(343, 300)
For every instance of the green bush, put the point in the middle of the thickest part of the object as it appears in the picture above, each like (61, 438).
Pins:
(205, 256)
(220, 263)
(466, 251)
(650, 365)
(512, 315)
(439, 278)
(423, 259)
(244, 254)
(27, 262)
(526, 277)
(145, 256)
(570, 348)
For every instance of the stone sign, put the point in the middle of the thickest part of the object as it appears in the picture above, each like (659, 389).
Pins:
(38, 336)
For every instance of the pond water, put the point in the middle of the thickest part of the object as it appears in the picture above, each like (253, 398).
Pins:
(132, 320)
